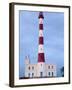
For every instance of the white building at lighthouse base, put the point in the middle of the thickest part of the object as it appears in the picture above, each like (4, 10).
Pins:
(39, 70)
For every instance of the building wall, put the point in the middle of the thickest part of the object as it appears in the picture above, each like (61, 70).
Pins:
(40, 70)
(50, 70)
(30, 70)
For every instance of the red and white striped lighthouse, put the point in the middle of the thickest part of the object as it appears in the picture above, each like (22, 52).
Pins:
(41, 57)
(41, 71)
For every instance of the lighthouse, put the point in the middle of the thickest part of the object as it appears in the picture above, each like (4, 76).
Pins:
(41, 58)
(41, 69)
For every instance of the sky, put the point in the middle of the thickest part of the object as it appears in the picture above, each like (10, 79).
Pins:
(53, 38)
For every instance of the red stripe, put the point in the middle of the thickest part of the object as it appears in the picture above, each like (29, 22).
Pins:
(41, 57)
(41, 40)
(41, 26)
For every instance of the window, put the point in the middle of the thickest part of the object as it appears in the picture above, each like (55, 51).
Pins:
(48, 73)
(41, 65)
(52, 67)
(28, 74)
(32, 68)
(41, 48)
(48, 67)
(32, 74)
(41, 74)
(29, 67)
(52, 73)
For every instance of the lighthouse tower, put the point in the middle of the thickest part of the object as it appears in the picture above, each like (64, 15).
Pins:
(41, 58)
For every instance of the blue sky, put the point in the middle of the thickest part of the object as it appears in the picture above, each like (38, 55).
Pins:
(53, 38)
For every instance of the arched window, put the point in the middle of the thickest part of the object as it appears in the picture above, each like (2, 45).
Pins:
(32, 74)
(28, 74)
(41, 74)
(48, 73)
(29, 67)
(41, 64)
(48, 67)
(52, 66)
(52, 74)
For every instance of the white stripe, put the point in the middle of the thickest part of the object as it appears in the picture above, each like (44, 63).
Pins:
(40, 49)
(40, 33)
(40, 21)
